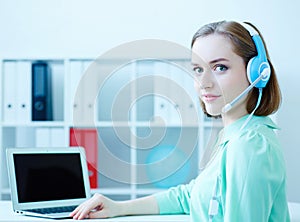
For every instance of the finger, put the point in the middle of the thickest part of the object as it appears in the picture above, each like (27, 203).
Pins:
(99, 214)
(81, 211)
(86, 208)
(75, 211)
(77, 214)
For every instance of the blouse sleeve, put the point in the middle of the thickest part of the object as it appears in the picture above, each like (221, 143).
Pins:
(175, 200)
(255, 173)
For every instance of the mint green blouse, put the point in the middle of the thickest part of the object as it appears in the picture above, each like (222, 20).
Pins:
(250, 173)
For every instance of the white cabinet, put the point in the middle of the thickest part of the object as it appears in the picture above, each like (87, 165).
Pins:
(150, 131)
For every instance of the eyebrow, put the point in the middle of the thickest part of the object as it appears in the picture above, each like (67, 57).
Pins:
(218, 60)
(212, 62)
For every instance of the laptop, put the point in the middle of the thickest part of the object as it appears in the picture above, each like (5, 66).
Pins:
(47, 182)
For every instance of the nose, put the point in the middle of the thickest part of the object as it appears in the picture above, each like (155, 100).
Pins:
(204, 81)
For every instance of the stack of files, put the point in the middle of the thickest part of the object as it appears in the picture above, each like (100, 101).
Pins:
(17, 92)
(77, 69)
(84, 87)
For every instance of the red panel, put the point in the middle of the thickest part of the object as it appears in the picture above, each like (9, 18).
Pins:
(88, 139)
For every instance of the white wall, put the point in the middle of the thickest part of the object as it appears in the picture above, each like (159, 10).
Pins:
(69, 28)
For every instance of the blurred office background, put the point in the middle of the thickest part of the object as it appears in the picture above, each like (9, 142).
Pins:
(71, 28)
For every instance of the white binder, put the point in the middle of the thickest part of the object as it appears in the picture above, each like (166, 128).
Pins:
(10, 92)
(83, 87)
(57, 91)
(76, 71)
(23, 92)
(89, 87)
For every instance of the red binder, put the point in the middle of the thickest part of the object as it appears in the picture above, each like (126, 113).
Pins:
(88, 139)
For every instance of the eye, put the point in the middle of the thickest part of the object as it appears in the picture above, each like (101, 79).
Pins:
(198, 70)
(220, 68)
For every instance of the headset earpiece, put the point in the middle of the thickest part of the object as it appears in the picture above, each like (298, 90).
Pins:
(259, 64)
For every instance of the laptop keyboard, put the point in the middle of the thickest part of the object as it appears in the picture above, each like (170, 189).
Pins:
(53, 210)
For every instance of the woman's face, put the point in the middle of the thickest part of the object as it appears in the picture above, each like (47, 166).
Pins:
(220, 75)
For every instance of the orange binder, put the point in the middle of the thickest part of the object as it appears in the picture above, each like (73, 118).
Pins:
(87, 138)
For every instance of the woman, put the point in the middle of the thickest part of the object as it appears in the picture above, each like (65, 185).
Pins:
(244, 179)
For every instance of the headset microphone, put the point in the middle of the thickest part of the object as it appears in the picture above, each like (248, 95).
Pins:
(258, 68)
(265, 74)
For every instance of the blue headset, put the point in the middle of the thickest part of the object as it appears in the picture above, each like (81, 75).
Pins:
(259, 64)
(258, 69)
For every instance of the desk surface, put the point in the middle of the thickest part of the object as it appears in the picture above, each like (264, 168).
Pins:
(7, 214)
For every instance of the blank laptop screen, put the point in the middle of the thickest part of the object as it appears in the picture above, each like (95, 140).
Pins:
(44, 177)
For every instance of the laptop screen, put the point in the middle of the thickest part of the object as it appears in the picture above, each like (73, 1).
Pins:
(46, 177)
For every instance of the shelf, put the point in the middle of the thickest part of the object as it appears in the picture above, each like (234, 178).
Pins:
(133, 114)
(140, 124)
(109, 124)
(36, 124)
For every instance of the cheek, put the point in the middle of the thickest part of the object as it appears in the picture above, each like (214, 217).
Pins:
(196, 86)
(235, 87)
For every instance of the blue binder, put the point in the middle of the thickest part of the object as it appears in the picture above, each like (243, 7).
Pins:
(41, 92)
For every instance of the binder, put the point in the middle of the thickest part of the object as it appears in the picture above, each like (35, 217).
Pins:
(76, 107)
(83, 91)
(10, 92)
(23, 80)
(41, 92)
(57, 92)
(89, 85)
(88, 139)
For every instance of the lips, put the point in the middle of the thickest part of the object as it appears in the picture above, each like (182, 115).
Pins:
(209, 97)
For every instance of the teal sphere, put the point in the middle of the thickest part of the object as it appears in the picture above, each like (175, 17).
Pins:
(167, 166)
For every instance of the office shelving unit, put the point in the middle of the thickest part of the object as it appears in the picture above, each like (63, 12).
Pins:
(142, 111)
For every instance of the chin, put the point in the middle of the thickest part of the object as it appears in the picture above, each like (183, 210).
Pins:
(214, 112)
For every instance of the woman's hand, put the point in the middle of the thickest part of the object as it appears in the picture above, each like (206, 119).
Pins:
(98, 206)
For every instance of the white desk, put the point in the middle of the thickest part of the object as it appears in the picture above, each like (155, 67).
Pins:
(7, 215)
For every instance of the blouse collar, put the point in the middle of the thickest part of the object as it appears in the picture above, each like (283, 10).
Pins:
(227, 132)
